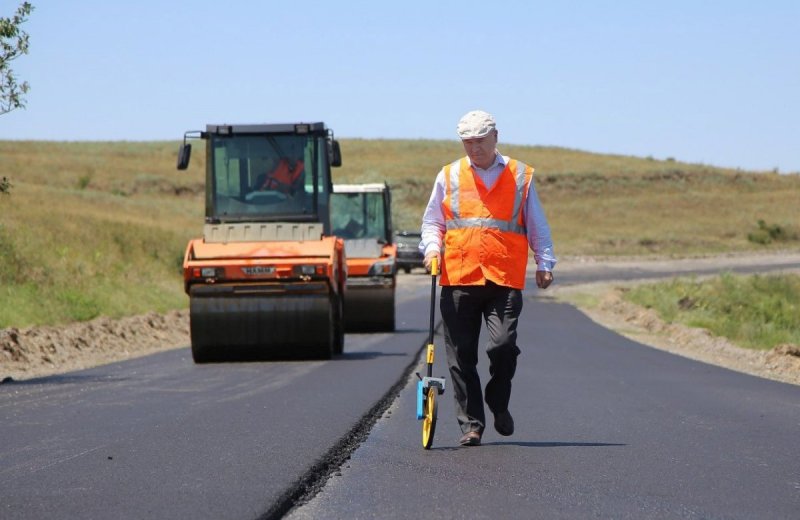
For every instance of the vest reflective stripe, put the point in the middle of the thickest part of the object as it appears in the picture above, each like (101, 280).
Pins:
(487, 223)
(451, 179)
(519, 174)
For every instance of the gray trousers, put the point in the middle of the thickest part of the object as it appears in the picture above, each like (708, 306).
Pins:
(463, 308)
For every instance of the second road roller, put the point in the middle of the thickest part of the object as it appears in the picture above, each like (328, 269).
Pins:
(362, 215)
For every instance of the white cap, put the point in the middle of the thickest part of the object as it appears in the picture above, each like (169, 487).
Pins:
(475, 124)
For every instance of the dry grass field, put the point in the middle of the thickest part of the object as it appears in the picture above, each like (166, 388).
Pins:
(93, 229)
(604, 204)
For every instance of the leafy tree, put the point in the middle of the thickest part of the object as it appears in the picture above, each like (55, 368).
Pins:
(13, 44)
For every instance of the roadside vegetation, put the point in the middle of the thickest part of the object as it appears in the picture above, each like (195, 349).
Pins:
(93, 229)
(90, 229)
(758, 311)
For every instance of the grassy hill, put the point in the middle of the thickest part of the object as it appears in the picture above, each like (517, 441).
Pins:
(100, 228)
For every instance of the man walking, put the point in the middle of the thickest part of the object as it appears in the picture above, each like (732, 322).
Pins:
(482, 217)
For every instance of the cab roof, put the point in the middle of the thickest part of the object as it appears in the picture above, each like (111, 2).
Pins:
(274, 128)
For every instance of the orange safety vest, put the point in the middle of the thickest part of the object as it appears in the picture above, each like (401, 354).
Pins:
(485, 236)
(282, 178)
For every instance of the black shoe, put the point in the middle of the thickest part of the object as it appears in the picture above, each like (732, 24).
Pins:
(504, 423)
(470, 439)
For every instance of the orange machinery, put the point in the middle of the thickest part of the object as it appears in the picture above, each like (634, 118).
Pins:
(267, 278)
(362, 215)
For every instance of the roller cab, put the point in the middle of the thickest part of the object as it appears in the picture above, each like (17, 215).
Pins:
(362, 215)
(267, 279)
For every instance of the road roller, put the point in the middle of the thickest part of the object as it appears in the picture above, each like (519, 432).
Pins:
(268, 278)
(362, 215)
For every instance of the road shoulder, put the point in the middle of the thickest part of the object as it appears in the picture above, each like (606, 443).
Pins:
(605, 305)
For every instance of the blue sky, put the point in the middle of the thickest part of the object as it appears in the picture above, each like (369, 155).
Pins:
(714, 82)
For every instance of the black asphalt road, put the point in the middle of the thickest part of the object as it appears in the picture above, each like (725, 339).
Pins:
(161, 437)
(605, 428)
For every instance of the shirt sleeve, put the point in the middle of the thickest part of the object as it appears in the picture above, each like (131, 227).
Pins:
(433, 226)
(538, 231)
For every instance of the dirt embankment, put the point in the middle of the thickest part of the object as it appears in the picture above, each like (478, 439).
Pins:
(40, 351)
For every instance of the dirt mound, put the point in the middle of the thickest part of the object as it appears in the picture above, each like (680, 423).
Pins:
(40, 351)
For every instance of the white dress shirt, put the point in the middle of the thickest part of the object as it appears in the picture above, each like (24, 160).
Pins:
(537, 229)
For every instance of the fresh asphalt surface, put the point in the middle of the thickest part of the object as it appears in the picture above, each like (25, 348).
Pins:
(605, 427)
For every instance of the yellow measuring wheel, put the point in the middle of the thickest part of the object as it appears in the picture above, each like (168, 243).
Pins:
(429, 387)
(429, 419)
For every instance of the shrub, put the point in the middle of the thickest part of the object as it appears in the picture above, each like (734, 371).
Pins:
(768, 233)
(84, 180)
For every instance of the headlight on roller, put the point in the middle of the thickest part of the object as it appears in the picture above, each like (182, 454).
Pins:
(208, 273)
(306, 270)
(383, 268)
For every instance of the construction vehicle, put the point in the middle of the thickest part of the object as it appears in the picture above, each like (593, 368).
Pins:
(267, 278)
(362, 215)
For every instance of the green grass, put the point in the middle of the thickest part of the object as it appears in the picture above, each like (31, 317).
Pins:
(758, 311)
(99, 228)
(72, 249)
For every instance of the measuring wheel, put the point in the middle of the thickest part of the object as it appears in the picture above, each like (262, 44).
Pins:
(429, 419)
(429, 387)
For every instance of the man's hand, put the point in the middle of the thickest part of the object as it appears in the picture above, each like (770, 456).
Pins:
(544, 279)
(429, 257)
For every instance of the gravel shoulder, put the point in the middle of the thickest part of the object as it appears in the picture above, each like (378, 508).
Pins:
(604, 303)
(41, 351)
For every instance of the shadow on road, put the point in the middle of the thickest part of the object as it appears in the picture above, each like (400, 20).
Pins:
(360, 356)
(395, 331)
(411, 331)
(524, 444)
(552, 444)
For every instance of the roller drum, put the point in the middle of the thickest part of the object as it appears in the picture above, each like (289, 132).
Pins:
(369, 308)
(261, 326)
